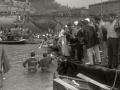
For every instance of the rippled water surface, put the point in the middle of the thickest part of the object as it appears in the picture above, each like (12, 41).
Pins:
(18, 78)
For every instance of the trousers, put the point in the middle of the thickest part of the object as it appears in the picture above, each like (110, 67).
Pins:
(112, 45)
(91, 51)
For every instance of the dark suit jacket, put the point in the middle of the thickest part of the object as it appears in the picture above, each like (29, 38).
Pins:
(90, 36)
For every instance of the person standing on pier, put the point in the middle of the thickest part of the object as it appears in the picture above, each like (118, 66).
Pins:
(112, 42)
(102, 36)
(80, 42)
(92, 43)
(63, 40)
(74, 33)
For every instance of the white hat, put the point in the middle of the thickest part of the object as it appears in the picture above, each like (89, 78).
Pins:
(76, 23)
(87, 19)
(66, 26)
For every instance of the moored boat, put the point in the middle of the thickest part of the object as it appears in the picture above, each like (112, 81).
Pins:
(31, 42)
(69, 83)
(99, 73)
(14, 42)
(46, 45)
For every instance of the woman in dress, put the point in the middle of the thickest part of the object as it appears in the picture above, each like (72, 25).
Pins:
(64, 47)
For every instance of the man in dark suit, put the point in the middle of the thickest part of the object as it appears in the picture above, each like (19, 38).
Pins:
(92, 43)
(74, 33)
(79, 41)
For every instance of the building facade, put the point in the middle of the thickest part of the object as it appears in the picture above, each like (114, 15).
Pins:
(71, 12)
(12, 5)
(105, 8)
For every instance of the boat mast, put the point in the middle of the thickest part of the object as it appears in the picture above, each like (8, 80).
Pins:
(101, 9)
(25, 13)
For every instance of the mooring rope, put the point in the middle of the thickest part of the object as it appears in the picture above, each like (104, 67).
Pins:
(115, 79)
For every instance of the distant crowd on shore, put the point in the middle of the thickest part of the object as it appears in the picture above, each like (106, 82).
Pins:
(89, 39)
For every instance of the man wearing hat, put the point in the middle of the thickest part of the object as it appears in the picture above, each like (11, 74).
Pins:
(92, 42)
(74, 33)
(102, 34)
(112, 42)
(75, 29)
(80, 41)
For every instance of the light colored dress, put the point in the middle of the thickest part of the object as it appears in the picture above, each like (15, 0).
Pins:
(64, 47)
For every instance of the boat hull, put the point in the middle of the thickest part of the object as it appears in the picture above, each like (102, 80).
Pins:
(12, 42)
(47, 45)
(99, 73)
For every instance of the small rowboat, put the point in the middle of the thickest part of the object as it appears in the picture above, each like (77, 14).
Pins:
(32, 42)
(46, 45)
(13, 42)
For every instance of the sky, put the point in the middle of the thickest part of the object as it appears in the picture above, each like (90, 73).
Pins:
(78, 3)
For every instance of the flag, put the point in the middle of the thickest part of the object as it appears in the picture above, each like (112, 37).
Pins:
(5, 62)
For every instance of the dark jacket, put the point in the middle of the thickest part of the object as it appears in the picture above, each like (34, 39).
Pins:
(104, 31)
(90, 36)
(45, 62)
(80, 36)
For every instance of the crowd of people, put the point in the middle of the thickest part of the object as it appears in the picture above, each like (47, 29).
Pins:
(87, 39)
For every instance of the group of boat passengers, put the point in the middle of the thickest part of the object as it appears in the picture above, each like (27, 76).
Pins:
(87, 39)
(15, 34)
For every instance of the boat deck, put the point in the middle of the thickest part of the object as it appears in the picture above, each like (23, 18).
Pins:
(99, 73)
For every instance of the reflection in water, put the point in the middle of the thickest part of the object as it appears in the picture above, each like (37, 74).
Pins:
(18, 78)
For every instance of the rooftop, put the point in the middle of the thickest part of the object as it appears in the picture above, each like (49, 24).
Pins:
(71, 9)
(106, 2)
(20, 0)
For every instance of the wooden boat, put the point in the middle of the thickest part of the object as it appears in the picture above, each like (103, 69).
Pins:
(32, 42)
(70, 83)
(13, 42)
(99, 73)
(46, 45)
(54, 48)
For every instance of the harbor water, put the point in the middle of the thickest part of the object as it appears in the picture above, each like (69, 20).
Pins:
(18, 78)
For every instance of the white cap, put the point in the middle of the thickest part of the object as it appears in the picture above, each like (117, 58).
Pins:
(87, 19)
(43, 35)
(76, 23)
(66, 26)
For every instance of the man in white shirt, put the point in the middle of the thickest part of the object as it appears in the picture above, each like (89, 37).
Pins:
(112, 42)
